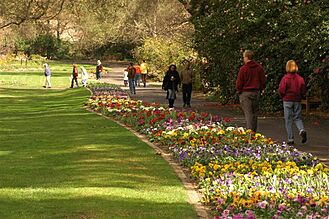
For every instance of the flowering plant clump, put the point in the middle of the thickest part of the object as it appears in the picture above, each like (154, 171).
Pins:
(241, 174)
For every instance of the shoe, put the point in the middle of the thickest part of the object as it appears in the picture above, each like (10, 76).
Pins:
(290, 143)
(188, 106)
(184, 105)
(44, 86)
(303, 135)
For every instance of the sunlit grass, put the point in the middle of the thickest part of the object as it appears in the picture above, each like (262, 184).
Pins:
(59, 161)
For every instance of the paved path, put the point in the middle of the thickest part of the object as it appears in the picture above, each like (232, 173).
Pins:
(317, 129)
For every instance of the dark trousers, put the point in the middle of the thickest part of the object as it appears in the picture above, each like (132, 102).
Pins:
(249, 104)
(187, 92)
(171, 103)
(76, 82)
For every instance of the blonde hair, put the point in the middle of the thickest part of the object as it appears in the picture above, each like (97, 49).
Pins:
(248, 53)
(291, 66)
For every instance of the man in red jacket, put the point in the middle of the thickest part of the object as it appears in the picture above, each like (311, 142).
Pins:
(250, 82)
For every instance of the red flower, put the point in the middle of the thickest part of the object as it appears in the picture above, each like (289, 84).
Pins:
(317, 70)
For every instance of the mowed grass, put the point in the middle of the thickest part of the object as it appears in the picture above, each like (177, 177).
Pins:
(59, 161)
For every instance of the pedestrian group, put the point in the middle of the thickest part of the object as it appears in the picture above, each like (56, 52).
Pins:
(250, 83)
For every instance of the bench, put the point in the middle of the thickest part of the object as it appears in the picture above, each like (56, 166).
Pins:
(308, 101)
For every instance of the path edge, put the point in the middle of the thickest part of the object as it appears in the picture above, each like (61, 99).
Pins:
(194, 198)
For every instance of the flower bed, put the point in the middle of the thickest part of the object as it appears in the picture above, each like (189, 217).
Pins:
(239, 173)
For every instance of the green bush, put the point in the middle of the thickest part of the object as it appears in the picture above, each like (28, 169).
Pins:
(159, 53)
(276, 31)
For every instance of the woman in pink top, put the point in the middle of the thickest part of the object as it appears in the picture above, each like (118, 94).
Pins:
(292, 89)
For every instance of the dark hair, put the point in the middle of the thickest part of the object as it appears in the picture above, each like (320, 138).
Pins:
(172, 66)
(131, 63)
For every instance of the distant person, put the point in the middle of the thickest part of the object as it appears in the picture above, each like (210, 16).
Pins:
(250, 82)
(170, 84)
(292, 89)
(125, 77)
(144, 72)
(186, 78)
(84, 76)
(99, 70)
(75, 74)
(47, 73)
(137, 76)
(131, 78)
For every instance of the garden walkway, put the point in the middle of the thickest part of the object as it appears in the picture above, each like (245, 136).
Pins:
(270, 126)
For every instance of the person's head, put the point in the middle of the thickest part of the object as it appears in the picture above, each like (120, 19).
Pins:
(45, 65)
(247, 56)
(291, 66)
(172, 68)
(143, 61)
(99, 62)
(75, 66)
(131, 64)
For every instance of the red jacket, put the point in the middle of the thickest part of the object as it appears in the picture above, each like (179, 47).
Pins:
(292, 87)
(251, 77)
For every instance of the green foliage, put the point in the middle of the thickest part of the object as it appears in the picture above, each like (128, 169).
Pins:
(276, 31)
(159, 53)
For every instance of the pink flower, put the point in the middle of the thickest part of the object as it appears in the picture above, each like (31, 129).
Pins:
(262, 204)
(226, 213)
(237, 216)
(300, 214)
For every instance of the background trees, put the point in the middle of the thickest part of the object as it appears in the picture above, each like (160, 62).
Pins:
(276, 31)
(170, 31)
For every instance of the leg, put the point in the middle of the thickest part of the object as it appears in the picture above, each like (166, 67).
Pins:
(255, 108)
(297, 110)
(288, 114)
(246, 106)
(76, 81)
(184, 94)
(189, 94)
(171, 103)
(72, 82)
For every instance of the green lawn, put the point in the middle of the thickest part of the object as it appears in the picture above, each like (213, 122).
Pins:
(59, 161)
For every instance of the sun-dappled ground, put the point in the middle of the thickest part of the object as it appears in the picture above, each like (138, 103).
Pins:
(59, 161)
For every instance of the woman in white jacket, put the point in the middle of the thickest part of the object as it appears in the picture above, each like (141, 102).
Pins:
(84, 76)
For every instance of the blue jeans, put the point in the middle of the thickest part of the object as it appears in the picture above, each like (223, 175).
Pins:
(132, 88)
(292, 113)
(137, 79)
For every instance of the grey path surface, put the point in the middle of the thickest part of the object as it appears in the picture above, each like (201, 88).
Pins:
(273, 127)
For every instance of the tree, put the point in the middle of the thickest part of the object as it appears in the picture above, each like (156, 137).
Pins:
(276, 31)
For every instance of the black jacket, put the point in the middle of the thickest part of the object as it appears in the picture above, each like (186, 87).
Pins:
(169, 83)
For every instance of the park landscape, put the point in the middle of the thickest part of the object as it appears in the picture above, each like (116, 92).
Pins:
(74, 153)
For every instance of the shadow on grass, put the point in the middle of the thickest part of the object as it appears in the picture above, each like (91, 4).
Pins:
(100, 169)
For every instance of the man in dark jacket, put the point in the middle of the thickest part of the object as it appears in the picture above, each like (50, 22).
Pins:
(250, 82)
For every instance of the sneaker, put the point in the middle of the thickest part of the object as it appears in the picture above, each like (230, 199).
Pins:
(44, 86)
(303, 135)
(290, 143)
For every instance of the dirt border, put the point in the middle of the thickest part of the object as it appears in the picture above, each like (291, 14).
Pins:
(194, 198)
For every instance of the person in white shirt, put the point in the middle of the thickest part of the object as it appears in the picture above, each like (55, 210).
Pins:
(84, 76)
(125, 77)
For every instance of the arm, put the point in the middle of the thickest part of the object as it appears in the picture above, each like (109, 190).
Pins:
(239, 82)
(282, 88)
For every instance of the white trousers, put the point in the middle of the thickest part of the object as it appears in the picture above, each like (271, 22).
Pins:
(47, 82)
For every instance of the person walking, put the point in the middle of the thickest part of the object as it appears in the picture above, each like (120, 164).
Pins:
(125, 77)
(186, 78)
(47, 73)
(250, 82)
(144, 72)
(74, 76)
(137, 75)
(170, 84)
(292, 89)
(84, 76)
(131, 78)
(99, 70)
